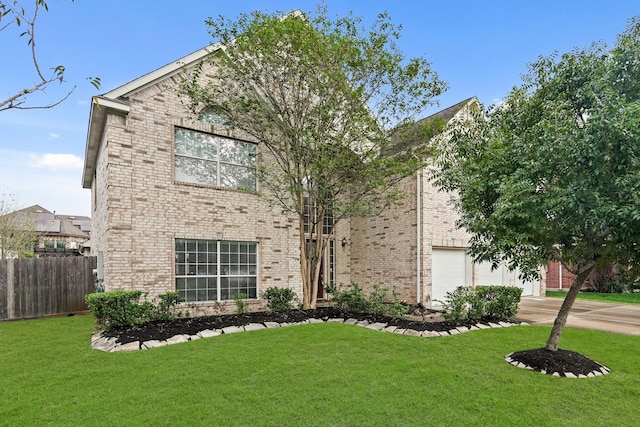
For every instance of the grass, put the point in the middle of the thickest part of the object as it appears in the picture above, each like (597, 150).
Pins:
(312, 375)
(633, 298)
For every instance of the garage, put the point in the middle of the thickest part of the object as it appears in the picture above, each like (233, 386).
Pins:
(502, 276)
(488, 277)
(448, 271)
(451, 268)
(528, 287)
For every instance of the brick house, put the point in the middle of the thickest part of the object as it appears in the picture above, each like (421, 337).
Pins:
(416, 246)
(57, 235)
(173, 210)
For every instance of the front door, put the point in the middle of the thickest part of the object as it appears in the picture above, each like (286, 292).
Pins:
(327, 261)
(320, 294)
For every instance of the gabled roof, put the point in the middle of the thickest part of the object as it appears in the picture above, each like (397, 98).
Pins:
(449, 113)
(116, 102)
(422, 131)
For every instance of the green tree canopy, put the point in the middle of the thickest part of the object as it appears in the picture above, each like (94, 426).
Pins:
(553, 173)
(323, 97)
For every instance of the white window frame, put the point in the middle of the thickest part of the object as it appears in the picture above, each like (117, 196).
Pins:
(218, 271)
(216, 162)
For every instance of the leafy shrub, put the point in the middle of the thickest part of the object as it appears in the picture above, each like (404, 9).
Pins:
(377, 302)
(462, 304)
(466, 303)
(241, 305)
(279, 299)
(349, 300)
(120, 309)
(167, 301)
(500, 302)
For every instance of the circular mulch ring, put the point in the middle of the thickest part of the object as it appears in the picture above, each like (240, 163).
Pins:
(560, 363)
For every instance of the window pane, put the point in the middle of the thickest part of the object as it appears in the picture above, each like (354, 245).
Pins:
(237, 152)
(196, 144)
(195, 170)
(237, 176)
(180, 269)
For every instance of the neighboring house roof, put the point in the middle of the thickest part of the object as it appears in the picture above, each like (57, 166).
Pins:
(51, 224)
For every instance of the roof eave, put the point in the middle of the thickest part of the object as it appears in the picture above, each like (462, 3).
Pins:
(100, 108)
(115, 102)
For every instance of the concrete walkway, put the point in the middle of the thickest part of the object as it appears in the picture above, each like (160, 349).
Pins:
(602, 316)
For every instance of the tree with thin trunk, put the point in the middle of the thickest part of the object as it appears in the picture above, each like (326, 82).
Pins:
(14, 14)
(18, 230)
(330, 105)
(553, 172)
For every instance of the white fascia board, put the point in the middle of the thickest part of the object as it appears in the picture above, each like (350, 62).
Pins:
(110, 104)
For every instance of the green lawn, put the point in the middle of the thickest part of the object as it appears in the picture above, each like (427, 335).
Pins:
(633, 298)
(311, 375)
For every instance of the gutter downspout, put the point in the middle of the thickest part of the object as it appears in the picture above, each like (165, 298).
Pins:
(418, 235)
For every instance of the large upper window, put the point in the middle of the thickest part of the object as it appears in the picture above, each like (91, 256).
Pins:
(311, 218)
(214, 270)
(205, 158)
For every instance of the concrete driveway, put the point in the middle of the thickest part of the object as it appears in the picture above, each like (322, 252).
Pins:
(602, 316)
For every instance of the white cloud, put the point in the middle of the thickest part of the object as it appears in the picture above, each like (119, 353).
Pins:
(58, 190)
(53, 135)
(55, 161)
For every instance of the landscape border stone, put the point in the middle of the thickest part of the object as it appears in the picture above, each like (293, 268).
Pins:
(603, 370)
(110, 344)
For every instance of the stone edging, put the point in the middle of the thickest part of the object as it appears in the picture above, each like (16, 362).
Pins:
(595, 373)
(110, 344)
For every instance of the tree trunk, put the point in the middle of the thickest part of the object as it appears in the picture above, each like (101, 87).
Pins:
(561, 319)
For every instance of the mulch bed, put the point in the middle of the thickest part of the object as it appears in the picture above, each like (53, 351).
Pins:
(192, 325)
(561, 362)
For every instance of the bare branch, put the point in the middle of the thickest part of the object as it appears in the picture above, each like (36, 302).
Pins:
(22, 17)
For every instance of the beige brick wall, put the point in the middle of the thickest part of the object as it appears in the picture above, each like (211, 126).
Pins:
(438, 230)
(140, 209)
(393, 250)
(384, 247)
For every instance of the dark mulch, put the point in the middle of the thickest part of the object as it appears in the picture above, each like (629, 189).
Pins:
(560, 361)
(191, 326)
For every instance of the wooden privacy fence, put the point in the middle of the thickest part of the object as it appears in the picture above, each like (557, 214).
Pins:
(45, 286)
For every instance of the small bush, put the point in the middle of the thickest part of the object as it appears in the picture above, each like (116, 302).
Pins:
(167, 301)
(500, 302)
(377, 302)
(120, 309)
(279, 299)
(348, 300)
(466, 303)
(462, 304)
(241, 305)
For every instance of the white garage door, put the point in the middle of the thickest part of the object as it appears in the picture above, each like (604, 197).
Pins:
(486, 277)
(502, 276)
(447, 272)
(528, 288)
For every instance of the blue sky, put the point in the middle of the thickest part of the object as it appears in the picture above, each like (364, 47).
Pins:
(480, 48)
